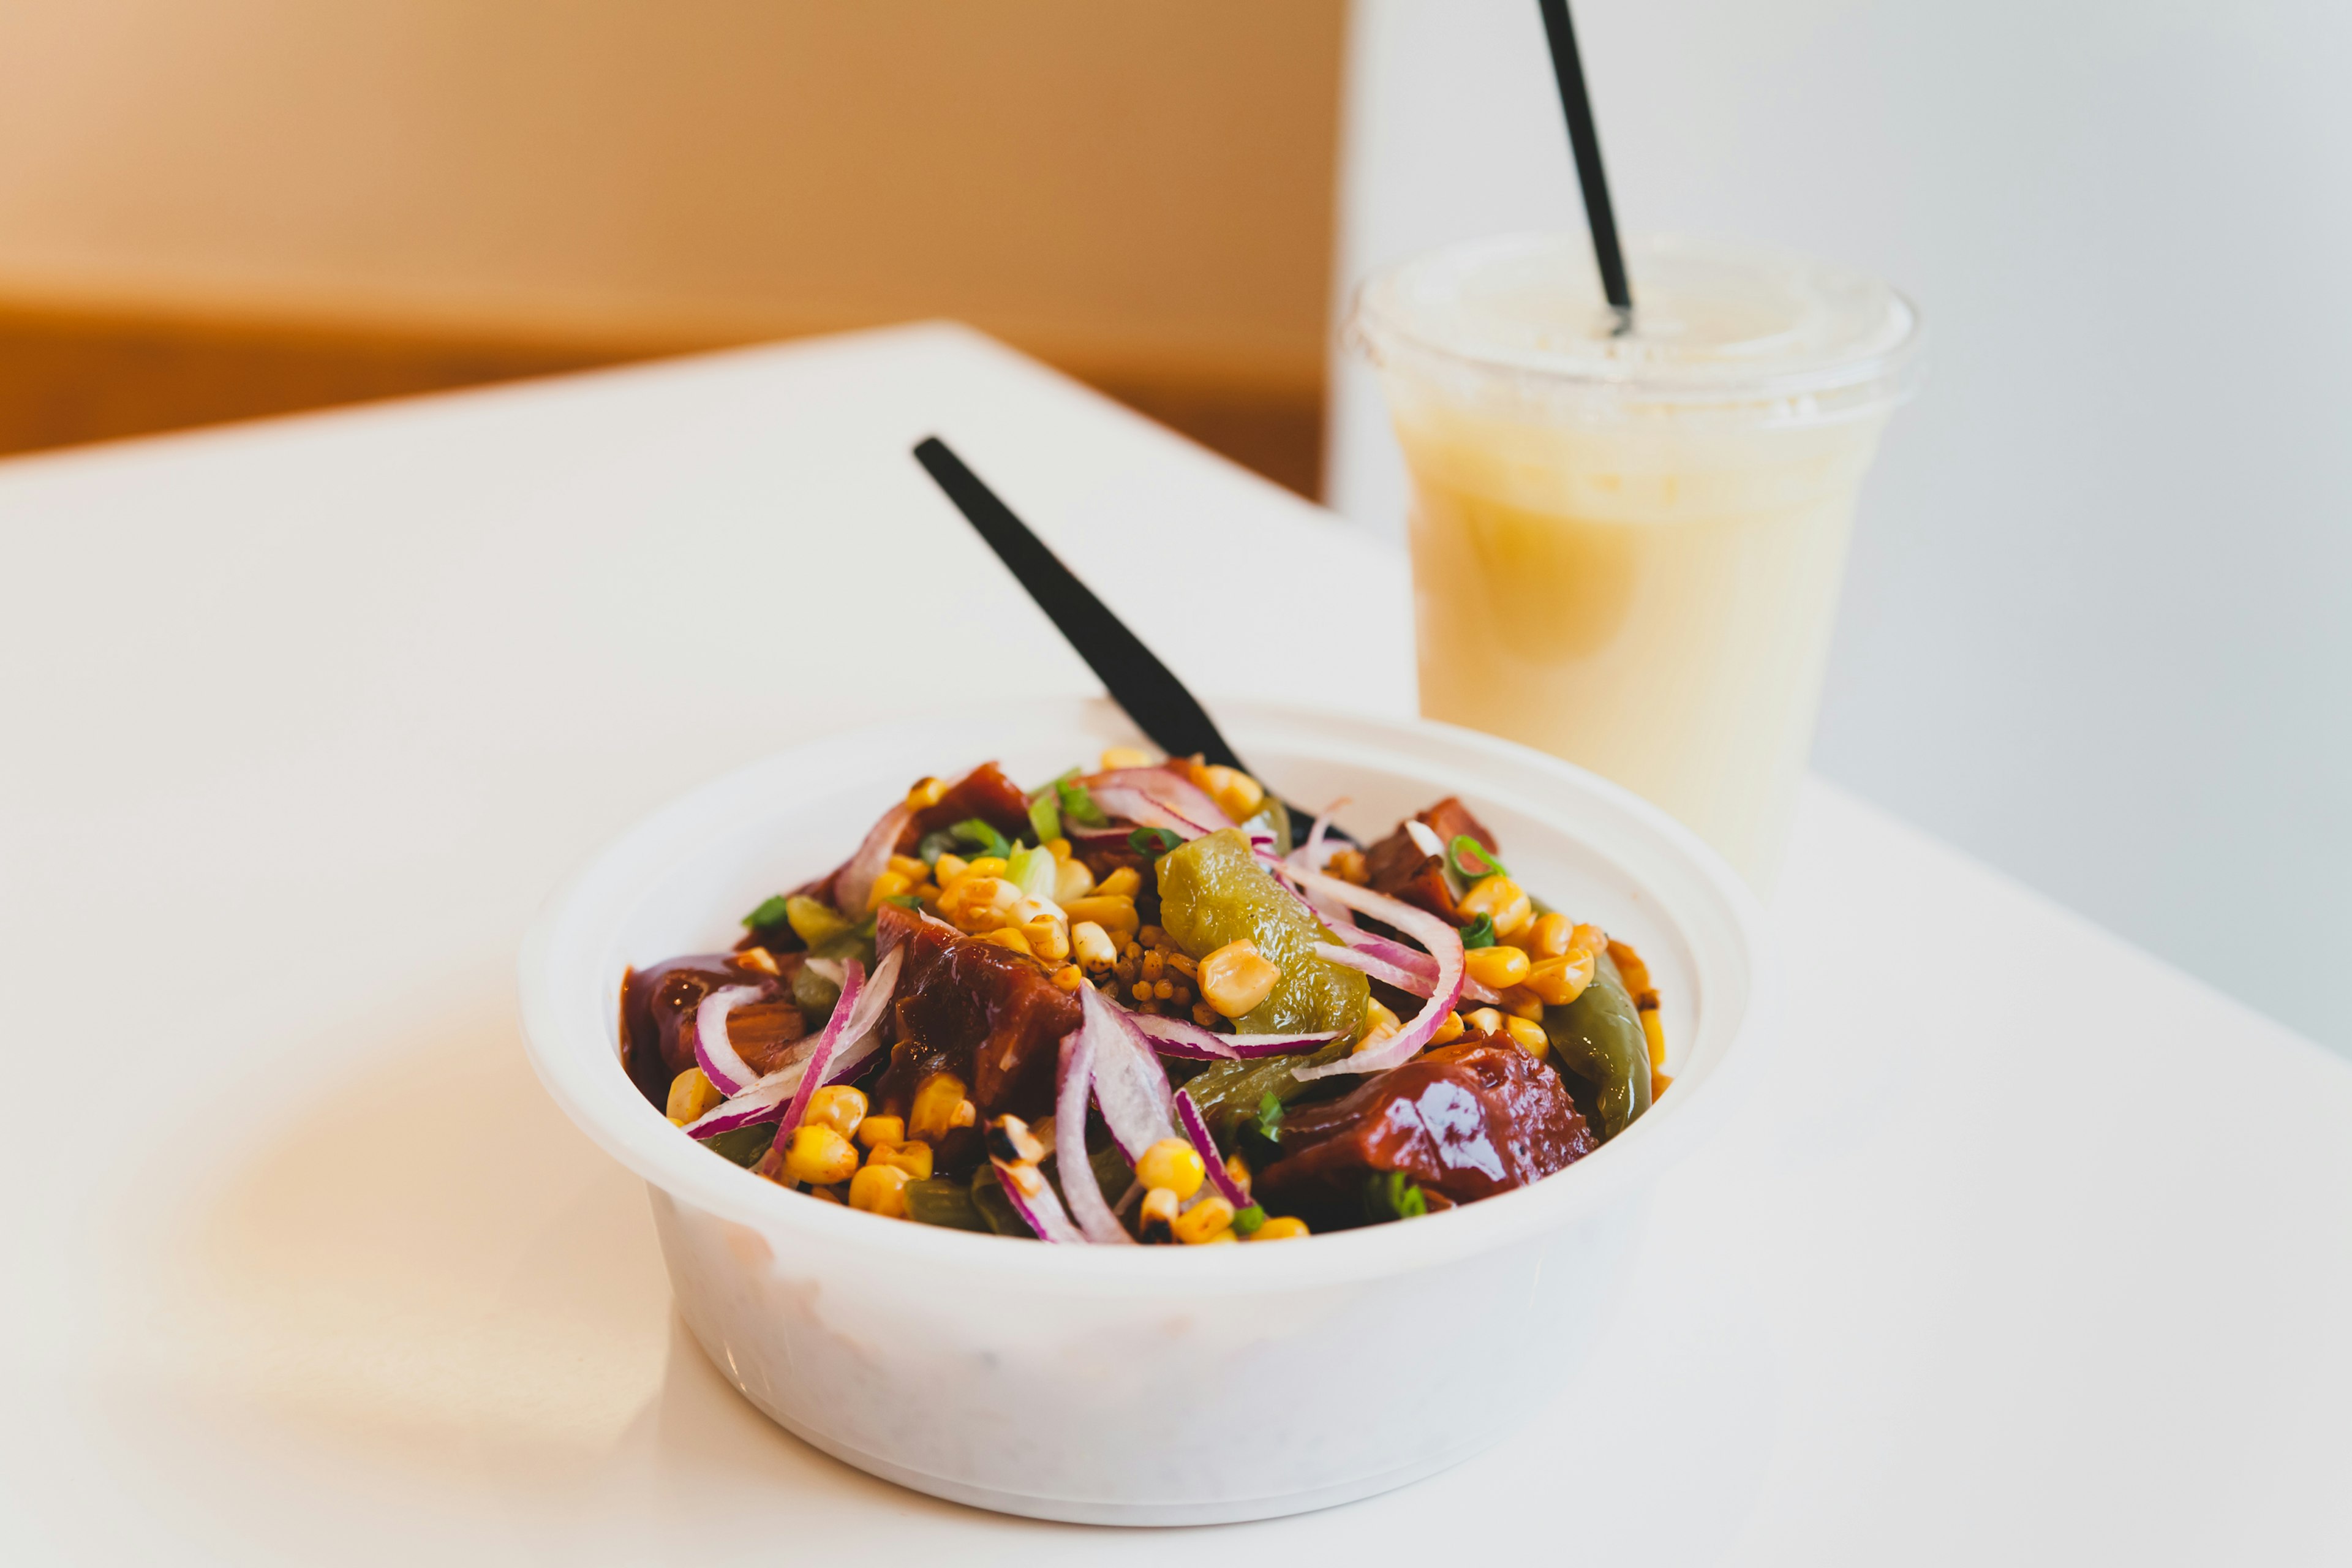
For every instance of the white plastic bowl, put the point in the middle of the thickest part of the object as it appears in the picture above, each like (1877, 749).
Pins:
(1145, 1386)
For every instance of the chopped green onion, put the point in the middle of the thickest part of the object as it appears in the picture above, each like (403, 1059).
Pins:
(1246, 1223)
(972, 830)
(1031, 871)
(770, 913)
(1464, 843)
(1045, 819)
(1479, 933)
(1152, 842)
(1391, 1194)
(904, 900)
(1076, 804)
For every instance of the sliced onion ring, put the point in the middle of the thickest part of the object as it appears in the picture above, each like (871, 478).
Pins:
(1188, 1116)
(855, 885)
(1087, 1205)
(1041, 1211)
(1183, 1037)
(1129, 1084)
(1410, 959)
(1444, 944)
(714, 1053)
(1390, 973)
(853, 982)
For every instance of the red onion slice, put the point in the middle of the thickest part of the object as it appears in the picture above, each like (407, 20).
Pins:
(1087, 1205)
(862, 1036)
(1444, 944)
(1129, 1084)
(1410, 959)
(714, 1053)
(1041, 1211)
(1189, 1115)
(854, 884)
(1391, 972)
(1158, 797)
(1183, 1037)
(853, 981)
(1313, 855)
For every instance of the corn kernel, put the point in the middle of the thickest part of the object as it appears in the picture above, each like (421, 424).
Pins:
(759, 959)
(1657, 1033)
(979, 903)
(1116, 916)
(1172, 1163)
(936, 1099)
(1071, 880)
(1049, 940)
(1123, 883)
(925, 794)
(1009, 938)
(1560, 981)
(1205, 1221)
(1521, 1003)
(820, 1156)
(947, 868)
(1485, 1020)
(874, 1132)
(837, 1106)
(1282, 1228)
(1348, 865)
(1236, 978)
(911, 868)
(1060, 849)
(1495, 967)
(1116, 757)
(964, 1114)
(692, 1095)
(880, 1189)
(1379, 1025)
(1092, 945)
(1501, 899)
(888, 885)
(1529, 1035)
(1223, 1236)
(1237, 794)
(915, 1159)
(1547, 936)
(1237, 1172)
(1449, 1029)
(1158, 1215)
(1659, 1084)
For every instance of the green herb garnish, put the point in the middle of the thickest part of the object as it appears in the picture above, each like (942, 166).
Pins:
(1269, 1117)
(1076, 804)
(1261, 1135)
(1391, 1194)
(1478, 852)
(1246, 1223)
(972, 830)
(770, 913)
(1479, 933)
(1152, 843)
(935, 845)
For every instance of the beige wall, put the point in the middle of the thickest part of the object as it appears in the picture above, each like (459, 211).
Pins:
(1133, 190)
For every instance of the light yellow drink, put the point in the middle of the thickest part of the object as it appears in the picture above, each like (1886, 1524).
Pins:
(1627, 547)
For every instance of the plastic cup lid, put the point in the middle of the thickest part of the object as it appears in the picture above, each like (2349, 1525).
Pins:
(1732, 329)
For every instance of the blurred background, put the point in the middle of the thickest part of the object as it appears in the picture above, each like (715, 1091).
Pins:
(2098, 625)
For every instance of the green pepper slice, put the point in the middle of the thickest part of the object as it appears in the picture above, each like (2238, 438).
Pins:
(943, 1201)
(1599, 1038)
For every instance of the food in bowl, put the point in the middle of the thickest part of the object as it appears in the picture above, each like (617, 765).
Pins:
(1125, 1007)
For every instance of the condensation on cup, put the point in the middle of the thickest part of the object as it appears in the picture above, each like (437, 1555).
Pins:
(1627, 544)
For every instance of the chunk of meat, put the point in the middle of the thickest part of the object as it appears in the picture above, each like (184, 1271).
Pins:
(1403, 869)
(1464, 1121)
(987, 1015)
(658, 1018)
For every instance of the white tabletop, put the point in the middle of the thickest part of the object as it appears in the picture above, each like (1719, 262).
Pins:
(2033, 1249)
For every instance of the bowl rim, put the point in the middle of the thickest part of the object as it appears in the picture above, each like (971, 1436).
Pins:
(581, 1081)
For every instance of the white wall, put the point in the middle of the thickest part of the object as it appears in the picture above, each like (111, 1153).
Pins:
(2098, 628)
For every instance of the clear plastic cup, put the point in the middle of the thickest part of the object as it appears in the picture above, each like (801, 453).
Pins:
(1627, 544)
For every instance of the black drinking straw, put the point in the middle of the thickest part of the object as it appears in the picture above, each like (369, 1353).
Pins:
(1581, 136)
